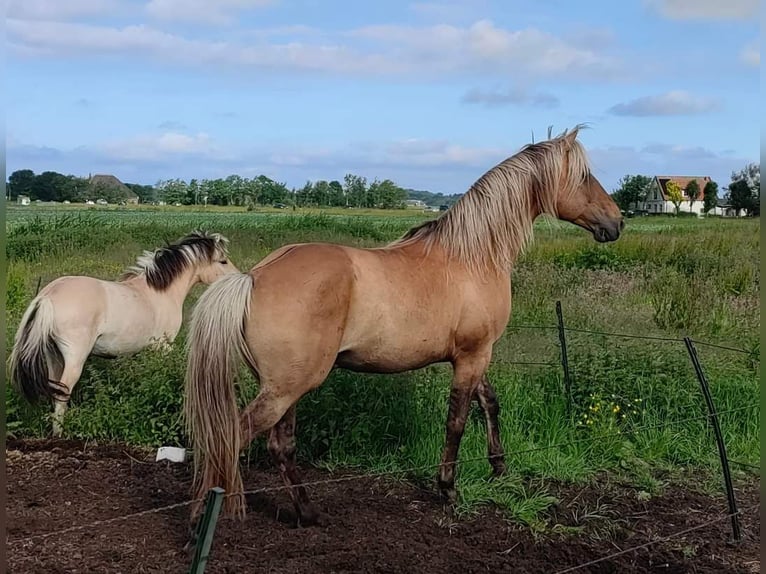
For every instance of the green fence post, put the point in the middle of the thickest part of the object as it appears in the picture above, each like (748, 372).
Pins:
(206, 529)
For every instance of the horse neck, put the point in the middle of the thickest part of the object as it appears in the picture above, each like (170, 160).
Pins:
(495, 236)
(175, 294)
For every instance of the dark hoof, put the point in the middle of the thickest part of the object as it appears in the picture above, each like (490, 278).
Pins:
(191, 544)
(310, 516)
(448, 493)
(498, 469)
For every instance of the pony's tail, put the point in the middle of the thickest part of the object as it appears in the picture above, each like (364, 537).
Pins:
(33, 351)
(216, 345)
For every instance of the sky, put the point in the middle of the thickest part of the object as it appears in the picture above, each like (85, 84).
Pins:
(428, 94)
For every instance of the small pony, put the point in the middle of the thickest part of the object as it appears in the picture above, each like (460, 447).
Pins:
(74, 317)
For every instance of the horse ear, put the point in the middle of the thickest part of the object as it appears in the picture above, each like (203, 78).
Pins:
(570, 137)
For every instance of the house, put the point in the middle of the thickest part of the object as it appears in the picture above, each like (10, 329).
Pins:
(101, 184)
(23, 200)
(657, 200)
(724, 209)
(415, 203)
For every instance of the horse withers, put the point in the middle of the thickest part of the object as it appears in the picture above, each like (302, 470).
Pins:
(74, 317)
(441, 293)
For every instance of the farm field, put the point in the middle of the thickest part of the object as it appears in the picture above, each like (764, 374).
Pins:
(635, 426)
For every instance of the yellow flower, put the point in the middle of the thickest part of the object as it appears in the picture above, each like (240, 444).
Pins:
(616, 409)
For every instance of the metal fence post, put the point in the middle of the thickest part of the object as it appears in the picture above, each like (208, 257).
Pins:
(713, 420)
(206, 529)
(564, 357)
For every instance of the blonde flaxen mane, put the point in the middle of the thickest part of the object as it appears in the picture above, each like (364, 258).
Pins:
(491, 224)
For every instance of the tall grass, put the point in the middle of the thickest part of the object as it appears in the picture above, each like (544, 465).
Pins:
(663, 277)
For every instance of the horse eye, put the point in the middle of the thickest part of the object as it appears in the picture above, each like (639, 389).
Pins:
(223, 262)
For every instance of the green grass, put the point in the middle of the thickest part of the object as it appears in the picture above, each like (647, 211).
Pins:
(667, 277)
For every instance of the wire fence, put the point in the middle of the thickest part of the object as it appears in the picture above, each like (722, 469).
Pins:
(380, 474)
(652, 542)
(711, 416)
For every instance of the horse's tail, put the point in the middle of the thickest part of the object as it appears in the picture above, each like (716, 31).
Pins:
(33, 351)
(216, 345)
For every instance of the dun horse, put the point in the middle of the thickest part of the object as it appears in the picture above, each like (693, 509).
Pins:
(441, 293)
(76, 316)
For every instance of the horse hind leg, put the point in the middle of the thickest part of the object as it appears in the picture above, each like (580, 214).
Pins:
(70, 374)
(487, 399)
(281, 446)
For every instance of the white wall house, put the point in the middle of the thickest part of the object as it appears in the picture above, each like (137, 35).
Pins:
(658, 202)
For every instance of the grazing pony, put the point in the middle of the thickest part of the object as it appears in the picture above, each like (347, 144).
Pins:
(441, 293)
(76, 316)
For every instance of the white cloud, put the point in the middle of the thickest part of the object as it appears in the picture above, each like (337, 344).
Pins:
(484, 46)
(203, 11)
(59, 9)
(705, 9)
(751, 54)
(388, 50)
(155, 147)
(673, 103)
(511, 96)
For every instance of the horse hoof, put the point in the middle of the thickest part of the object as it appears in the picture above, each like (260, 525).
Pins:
(312, 517)
(448, 495)
(498, 470)
(191, 544)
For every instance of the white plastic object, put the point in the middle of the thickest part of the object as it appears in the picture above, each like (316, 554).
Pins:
(171, 453)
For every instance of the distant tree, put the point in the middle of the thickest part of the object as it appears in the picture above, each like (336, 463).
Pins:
(173, 191)
(386, 195)
(692, 192)
(74, 188)
(709, 196)
(434, 199)
(749, 176)
(337, 197)
(192, 192)
(145, 193)
(20, 182)
(674, 194)
(740, 195)
(270, 191)
(49, 186)
(355, 188)
(320, 193)
(633, 191)
(304, 195)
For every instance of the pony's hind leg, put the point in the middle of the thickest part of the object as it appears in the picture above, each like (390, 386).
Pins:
(281, 445)
(73, 364)
(487, 399)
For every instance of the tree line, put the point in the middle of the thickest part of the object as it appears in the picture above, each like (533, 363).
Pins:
(743, 192)
(353, 191)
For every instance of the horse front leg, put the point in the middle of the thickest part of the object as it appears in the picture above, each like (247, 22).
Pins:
(468, 374)
(487, 399)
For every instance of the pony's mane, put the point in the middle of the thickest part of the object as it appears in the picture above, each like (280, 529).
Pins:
(489, 226)
(165, 264)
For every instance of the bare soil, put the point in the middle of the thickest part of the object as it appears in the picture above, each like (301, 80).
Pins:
(374, 524)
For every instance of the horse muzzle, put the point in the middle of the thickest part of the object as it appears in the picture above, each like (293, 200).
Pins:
(608, 231)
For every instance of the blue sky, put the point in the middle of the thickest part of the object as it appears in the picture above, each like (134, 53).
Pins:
(429, 94)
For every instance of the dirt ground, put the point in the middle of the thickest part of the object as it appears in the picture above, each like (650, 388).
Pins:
(375, 525)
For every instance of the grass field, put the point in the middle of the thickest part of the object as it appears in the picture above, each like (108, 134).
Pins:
(664, 277)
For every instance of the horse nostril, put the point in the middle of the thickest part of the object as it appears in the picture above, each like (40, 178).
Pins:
(622, 224)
